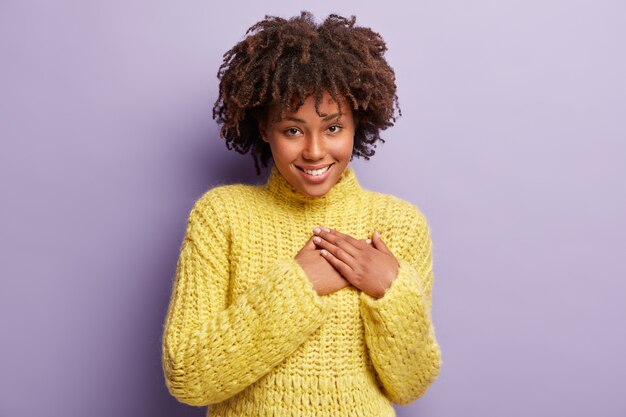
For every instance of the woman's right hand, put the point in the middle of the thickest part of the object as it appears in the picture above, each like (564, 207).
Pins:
(324, 277)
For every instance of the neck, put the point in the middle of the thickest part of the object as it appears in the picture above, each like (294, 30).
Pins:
(346, 187)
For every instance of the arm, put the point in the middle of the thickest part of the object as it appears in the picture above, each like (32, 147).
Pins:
(212, 351)
(398, 328)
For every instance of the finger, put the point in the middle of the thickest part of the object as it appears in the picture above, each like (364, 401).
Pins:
(339, 265)
(340, 251)
(310, 244)
(378, 243)
(354, 242)
(346, 242)
(337, 240)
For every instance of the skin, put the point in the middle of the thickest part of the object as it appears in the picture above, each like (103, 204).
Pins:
(321, 273)
(304, 138)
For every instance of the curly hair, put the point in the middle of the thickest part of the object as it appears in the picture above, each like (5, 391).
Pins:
(281, 62)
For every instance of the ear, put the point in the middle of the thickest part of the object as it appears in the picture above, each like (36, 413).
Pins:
(355, 118)
(263, 130)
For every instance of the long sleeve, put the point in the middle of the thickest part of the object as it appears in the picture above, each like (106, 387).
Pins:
(398, 328)
(211, 350)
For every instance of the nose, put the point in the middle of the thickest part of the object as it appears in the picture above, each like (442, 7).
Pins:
(314, 148)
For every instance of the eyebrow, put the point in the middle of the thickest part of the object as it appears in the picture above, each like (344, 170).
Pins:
(325, 119)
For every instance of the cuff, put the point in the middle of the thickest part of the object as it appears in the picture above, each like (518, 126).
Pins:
(406, 285)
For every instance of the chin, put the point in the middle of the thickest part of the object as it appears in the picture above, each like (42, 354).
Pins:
(315, 191)
(317, 194)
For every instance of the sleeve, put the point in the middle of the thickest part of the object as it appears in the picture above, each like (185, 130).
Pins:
(211, 351)
(398, 328)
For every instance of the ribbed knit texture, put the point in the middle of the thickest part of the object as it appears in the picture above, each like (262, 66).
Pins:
(246, 333)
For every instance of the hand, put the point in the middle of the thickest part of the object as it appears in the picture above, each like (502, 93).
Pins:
(324, 277)
(370, 268)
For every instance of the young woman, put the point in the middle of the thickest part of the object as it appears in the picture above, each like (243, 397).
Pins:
(287, 300)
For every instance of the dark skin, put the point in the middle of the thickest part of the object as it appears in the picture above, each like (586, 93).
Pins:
(282, 58)
(324, 277)
(348, 261)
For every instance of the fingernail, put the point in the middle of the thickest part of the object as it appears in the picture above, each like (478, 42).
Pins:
(317, 239)
(368, 241)
(326, 229)
(376, 233)
(316, 230)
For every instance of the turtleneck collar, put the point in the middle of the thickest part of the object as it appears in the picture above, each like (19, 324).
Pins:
(346, 188)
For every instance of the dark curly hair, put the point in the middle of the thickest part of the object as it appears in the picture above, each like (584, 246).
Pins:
(283, 61)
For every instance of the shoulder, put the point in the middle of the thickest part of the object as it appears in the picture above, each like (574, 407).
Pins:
(396, 210)
(220, 204)
(227, 195)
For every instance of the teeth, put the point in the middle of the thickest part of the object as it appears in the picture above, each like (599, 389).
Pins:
(316, 171)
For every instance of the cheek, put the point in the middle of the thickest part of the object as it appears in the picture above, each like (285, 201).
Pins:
(345, 146)
(284, 150)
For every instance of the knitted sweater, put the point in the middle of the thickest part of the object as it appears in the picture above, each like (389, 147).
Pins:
(246, 334)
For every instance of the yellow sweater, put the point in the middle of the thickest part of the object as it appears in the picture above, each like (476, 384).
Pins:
(246, 333)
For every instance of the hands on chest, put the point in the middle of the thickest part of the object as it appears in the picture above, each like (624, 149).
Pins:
(333, 260)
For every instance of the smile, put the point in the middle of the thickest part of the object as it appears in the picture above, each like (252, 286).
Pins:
(316, 175)
(316, 171)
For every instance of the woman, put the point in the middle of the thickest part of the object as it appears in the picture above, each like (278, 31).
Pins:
(286, 301)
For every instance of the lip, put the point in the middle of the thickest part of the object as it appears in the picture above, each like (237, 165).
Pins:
(316, 179)
(311, 168)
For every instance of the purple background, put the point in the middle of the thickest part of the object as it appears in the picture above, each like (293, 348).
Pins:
(512, 142)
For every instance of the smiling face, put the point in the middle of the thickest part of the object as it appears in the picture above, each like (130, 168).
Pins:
(305, 141)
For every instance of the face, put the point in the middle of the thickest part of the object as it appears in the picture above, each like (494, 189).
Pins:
(305, 141)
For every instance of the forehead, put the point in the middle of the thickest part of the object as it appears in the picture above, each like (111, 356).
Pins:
(327, 106)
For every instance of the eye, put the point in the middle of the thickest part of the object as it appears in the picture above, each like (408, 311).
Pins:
(292, 131)
(334, 128)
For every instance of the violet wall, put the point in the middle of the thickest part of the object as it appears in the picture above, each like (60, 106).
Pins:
(512, 142)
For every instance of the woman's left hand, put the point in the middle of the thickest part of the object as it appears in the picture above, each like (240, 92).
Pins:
(370, 268)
